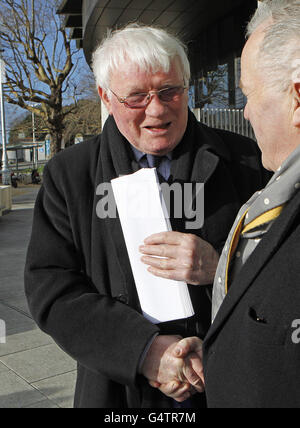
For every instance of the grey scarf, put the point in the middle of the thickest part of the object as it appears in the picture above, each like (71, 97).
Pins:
(280, 189)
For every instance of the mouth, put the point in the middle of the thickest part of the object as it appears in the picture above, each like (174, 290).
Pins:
(158, 128)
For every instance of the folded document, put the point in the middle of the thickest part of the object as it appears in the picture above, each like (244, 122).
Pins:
(142, 213)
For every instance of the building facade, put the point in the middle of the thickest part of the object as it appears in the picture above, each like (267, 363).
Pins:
(213, 30)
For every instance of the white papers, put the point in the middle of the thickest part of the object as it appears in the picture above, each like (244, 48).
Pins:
(142, 213)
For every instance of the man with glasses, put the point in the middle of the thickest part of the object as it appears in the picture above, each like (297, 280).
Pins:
(79, 282)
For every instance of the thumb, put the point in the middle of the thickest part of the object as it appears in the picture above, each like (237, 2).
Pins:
(188, 345)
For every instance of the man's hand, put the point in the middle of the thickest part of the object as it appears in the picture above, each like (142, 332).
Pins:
(181, 391)
(180, 256)
(176, 370)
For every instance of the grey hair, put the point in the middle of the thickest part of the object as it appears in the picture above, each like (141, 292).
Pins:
(150, 49)
(279, 55)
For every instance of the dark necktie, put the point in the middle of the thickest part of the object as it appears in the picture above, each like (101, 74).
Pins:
(154, 161)
(157, 162)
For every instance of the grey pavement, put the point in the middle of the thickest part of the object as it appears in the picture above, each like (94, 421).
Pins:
(34, 371)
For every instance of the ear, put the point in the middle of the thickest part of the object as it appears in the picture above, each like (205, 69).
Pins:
(105, 98)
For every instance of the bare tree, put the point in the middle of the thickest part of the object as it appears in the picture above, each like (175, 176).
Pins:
(40, 62)
(212, 88)
(86, 121)
(23, 126)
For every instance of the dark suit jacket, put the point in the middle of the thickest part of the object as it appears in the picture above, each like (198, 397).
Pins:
(78, 279)
(251, 358)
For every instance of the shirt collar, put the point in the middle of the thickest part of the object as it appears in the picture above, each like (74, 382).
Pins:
(139, 155)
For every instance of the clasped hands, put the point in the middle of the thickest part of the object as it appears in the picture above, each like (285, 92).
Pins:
(174, 366)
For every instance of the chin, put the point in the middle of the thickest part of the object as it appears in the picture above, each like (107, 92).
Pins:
(162, 148)
(268, 166)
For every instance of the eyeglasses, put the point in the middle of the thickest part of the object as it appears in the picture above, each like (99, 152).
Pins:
(141, 100)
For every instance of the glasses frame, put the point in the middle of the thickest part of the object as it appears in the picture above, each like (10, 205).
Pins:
(150, 94)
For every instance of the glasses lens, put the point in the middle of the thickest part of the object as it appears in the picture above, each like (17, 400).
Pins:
(138, 100)
(165, 95)
(171, 94)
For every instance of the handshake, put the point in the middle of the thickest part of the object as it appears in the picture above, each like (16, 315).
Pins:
(174, 366)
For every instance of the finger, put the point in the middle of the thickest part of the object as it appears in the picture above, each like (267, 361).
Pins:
(176, 275)
(159, 263)
(186, 275)
(186, 395)
(197, 365)
(162, 250)
(166, 263)
(175, 390)
(196, 379)
(183, 397)
(172, 238)
(187, 345)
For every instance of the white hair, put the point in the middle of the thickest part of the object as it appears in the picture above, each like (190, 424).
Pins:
(279, 55)
(150, 49)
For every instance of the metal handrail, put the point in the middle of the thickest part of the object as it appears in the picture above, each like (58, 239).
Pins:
(228, 119)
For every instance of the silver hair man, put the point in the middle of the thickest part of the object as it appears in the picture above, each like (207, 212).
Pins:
(151, 49)
(280, 50)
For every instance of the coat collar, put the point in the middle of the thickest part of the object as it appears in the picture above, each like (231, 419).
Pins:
(256, 262)
(139, 155)
(197, 156)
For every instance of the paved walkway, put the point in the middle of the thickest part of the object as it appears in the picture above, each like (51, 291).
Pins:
(34, 372)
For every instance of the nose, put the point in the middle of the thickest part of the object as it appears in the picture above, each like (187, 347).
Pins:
(155, 106)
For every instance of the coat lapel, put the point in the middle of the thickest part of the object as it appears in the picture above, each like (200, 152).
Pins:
(256, 262)
(197, 156)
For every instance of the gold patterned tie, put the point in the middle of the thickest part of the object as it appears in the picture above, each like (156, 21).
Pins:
(264, 218)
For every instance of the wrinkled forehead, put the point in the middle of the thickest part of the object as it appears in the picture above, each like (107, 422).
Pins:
(132, 72)
(146, 65)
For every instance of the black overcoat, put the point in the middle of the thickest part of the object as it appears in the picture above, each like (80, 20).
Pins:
(78, 279)
(252, 351)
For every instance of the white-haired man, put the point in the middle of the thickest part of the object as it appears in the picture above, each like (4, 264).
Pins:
(252, 351)
(78, 278)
